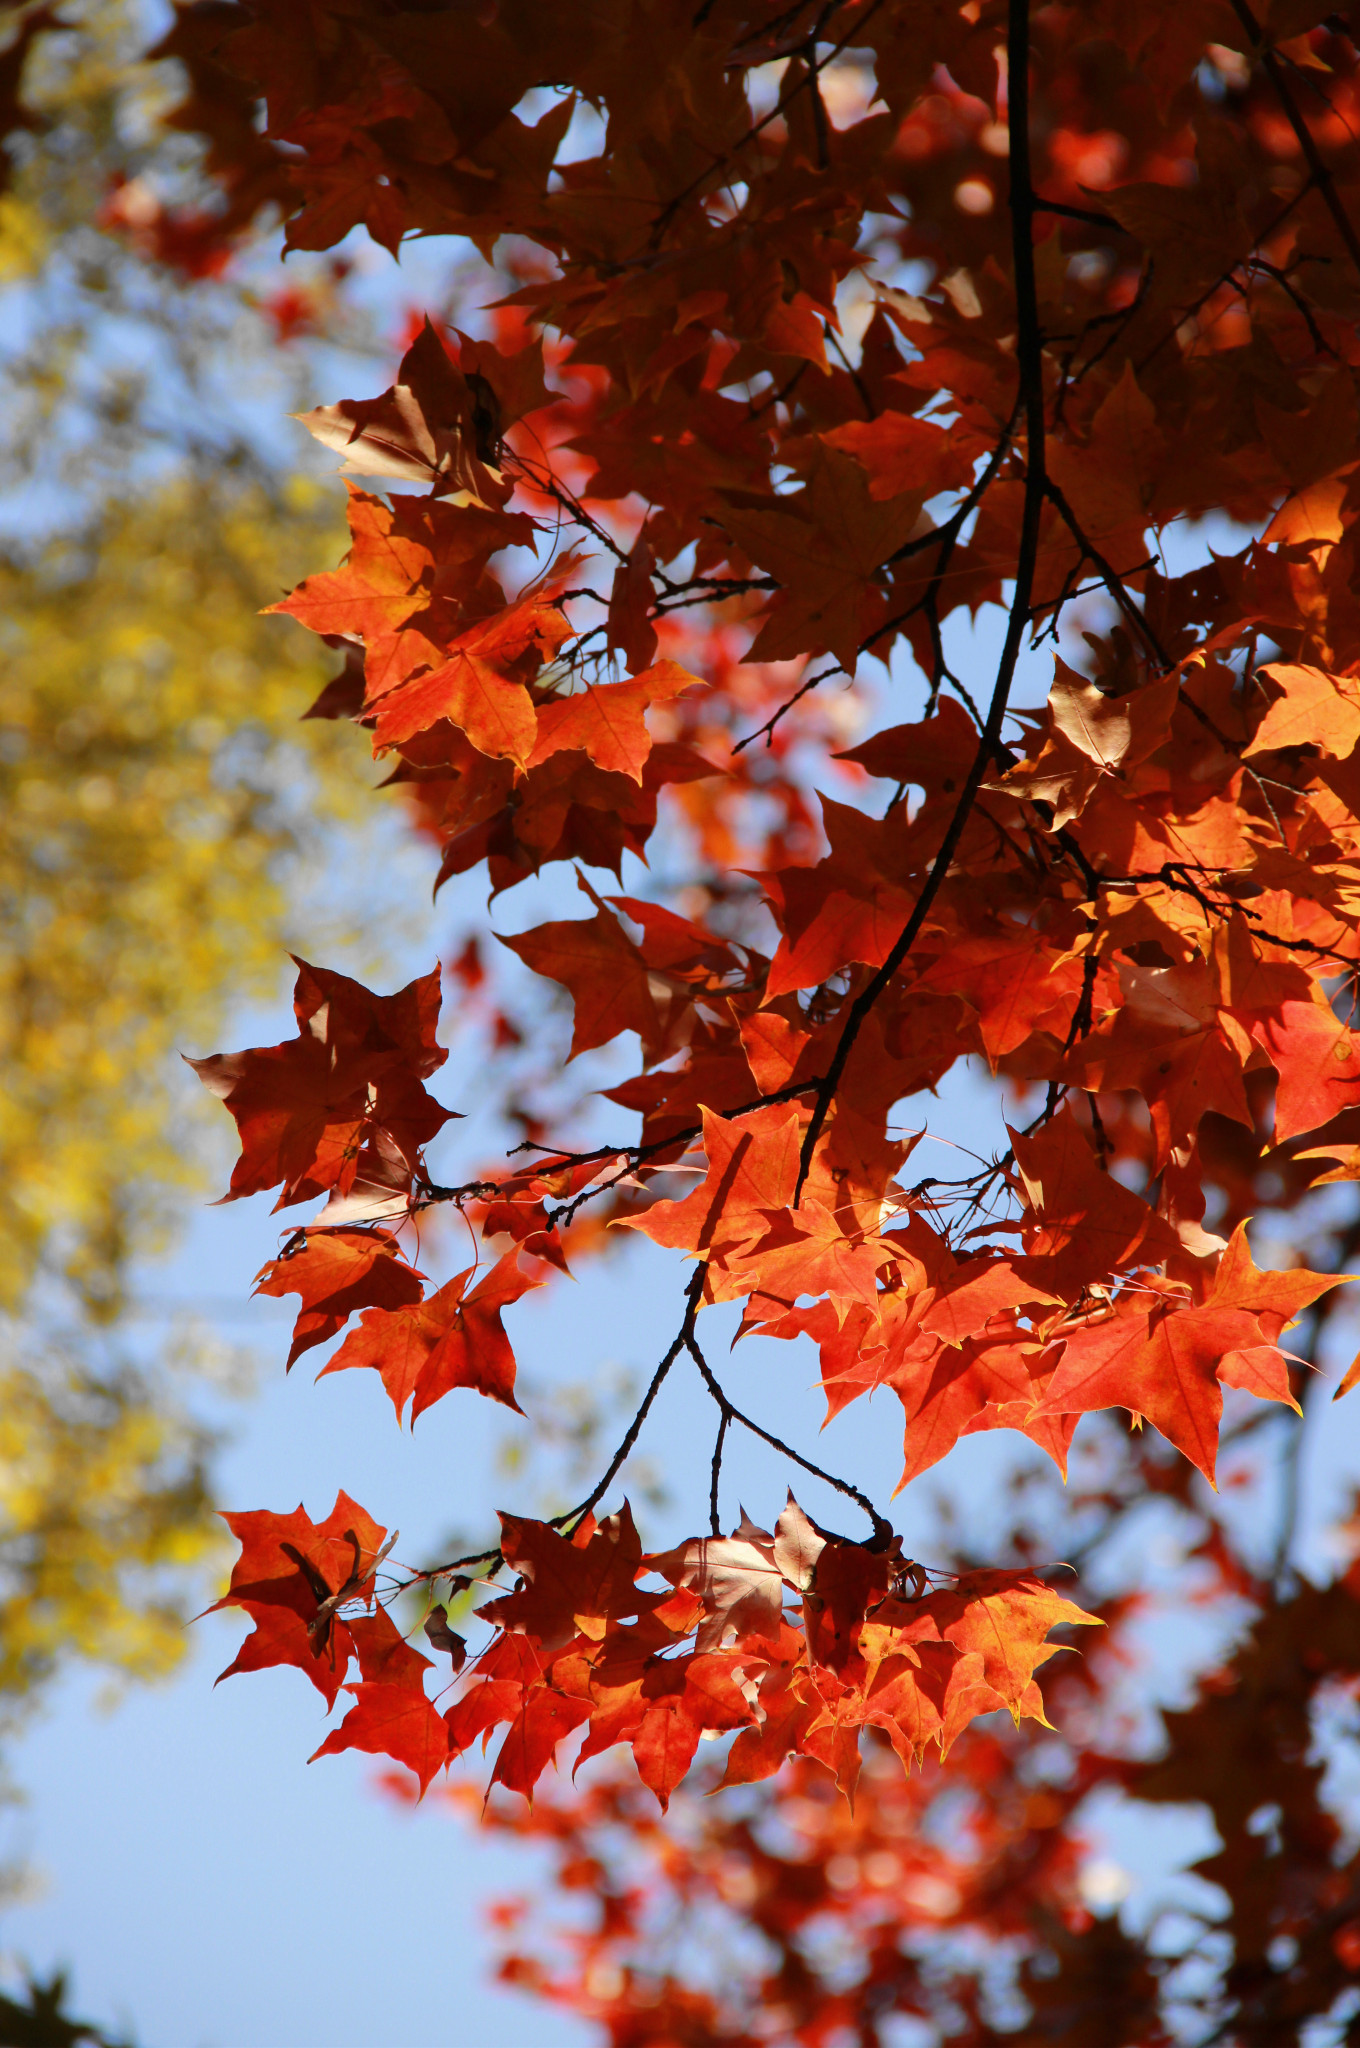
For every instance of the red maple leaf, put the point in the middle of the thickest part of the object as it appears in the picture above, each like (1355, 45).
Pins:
(340, 1108)
(451, 1339)
(337, 1272)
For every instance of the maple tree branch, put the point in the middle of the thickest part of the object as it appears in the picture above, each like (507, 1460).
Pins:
(575, 1515)
(1029, 352)
(1118, 324)
(720, 588)
(1081, 213)
(767, 730)
(948, 531)
(319, 1627)
(946, 537)
(714, 1519)
(1321, 176)
(1072, 590)
(1224, 276)
(883, 1529)
(470, 1191)
(856, 379)
(776, 395)
(1176, 875)
(544, 480)
(1108, 575)
(1114, 583)
(1301, 305)
(635, 1154)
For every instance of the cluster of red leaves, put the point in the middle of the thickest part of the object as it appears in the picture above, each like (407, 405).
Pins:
(1140, 904)
(974, 1901)
(902, 1907)
(578, 1645)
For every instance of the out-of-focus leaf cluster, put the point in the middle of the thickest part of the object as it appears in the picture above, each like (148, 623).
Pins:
(152, 779)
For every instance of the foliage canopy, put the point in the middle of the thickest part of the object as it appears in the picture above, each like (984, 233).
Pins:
(829, 329)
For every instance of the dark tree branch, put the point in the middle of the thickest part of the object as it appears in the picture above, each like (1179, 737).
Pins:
(1109, 576)
(714, 1519)
(1029, 349)
(684, 1338)
(1321, 176)
(883, 1529)
(1081, 213)
(766, 731)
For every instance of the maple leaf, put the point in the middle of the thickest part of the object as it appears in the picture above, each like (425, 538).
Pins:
(1318, 1063)
(1313, 709)
(607, 975)
(1115, 481)
(631, 596)
(752, 1171)
(845, 1582)
(451, 1339)
(378, 589)
(289, 1571)
(605, 720)
(1172, 1040)
(571, 1584)
(904, 454)
(391, 1715)
(479, 686)
(987, 1381)
(337, 1272)
(822, 543)
(1275, 1299)
(396, 1721)
(340, 1106)
(1084, 1225)
(737, 1577)
(1158, 1358)
(1005, 1618)
(433, 426)
(685, 1697)
(441, 1637)
(531, 1741)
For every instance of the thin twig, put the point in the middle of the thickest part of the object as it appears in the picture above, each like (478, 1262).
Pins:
(883, 1529)
(1081, 213)
(808, 78)
(1029, 350)
(577, 1514)
(1108, 575)
(714, 1520)
(766, 731)
(1322, 177)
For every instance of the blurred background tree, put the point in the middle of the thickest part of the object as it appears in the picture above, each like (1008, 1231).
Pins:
(160, 808)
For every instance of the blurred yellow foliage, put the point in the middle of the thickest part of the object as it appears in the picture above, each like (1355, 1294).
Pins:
(158, 801)
(102, 1505)
(154, 783)
(152, 774)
